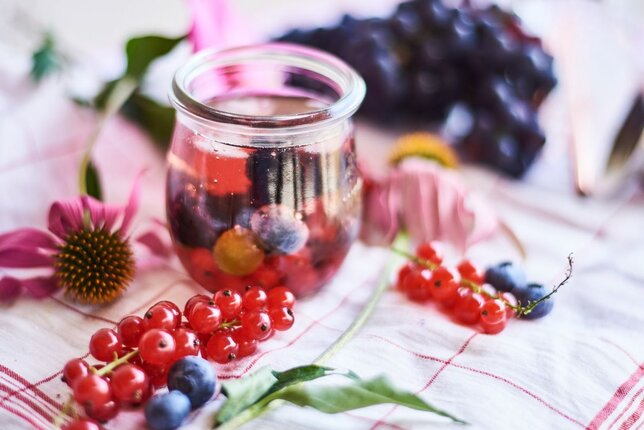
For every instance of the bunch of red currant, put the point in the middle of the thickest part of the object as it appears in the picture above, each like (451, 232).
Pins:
(139, 352)
(463, 292)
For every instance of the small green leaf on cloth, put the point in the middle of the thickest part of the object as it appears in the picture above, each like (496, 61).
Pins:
(244, 392)
(355, 395)
(93, 182)
(46, 59)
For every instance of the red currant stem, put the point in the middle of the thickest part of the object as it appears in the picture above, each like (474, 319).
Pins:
(531, 305)
(228, 324)
(268, 404)
(114, 364)
(66, 410)
(414, 258)
(477, 289)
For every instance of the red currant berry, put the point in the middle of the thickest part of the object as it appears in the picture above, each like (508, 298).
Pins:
(493, 328)
(281, 318)
(429, 253)
(158, 375)
(73, 370)
(105, 344)
(157, 347)
(510, 301)
(130, 329)
(468, 308)
(92, 391)
(192, 301)
(187, 343)
(81, 424)
(442, 284)
(417, 285)
(205, 318)
(104, 413)
(470, 272)
(173, 307)
(256, 325)
(489, 292)
(229, 303)
(222, 348)
(160, 316)
(280, 297)
(254, 299)
(402, 274)
(130, 384)
(493, 311)
(247, 346)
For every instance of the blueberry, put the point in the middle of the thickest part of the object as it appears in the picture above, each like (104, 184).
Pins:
(505, 276)
(531, 293)
(167, 411)
(278, 229)
(194, 377)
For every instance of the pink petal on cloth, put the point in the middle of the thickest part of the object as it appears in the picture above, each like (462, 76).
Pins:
(66, 217)
(9, 288)
(23, 258)
(380, 212)
(132, 204)
(152, 241)
(41, 286)
(209, 23)
(27, 237)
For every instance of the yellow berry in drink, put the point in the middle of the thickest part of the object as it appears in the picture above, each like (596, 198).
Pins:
(237, 253)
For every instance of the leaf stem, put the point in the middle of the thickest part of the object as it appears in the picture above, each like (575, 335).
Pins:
(121, 92)
(267, 405)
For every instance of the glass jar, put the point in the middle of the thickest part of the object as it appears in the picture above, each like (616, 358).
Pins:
(263, 187)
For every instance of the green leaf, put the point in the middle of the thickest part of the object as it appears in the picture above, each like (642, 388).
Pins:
(247, 391)
(244, 392)
(142, 51)
(307, 373)
(93, 182)
(156, 119)
(358, 394)
(46, 59)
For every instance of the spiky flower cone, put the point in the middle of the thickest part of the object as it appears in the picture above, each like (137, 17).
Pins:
(94, 266)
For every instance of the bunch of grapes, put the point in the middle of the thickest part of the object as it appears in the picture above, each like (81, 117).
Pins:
(489, 299)
(139, 354)
(474, 69)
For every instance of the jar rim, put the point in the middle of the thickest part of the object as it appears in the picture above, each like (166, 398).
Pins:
(350, 83)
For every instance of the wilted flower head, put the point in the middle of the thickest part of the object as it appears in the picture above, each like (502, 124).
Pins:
(427, 200)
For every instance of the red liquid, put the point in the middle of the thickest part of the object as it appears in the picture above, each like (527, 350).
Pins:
(295, 210)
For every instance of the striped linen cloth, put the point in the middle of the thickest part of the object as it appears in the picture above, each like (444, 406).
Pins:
(582, 367)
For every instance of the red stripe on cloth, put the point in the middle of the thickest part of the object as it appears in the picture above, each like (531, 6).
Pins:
(386, 424)
(19, 414)
(634, 418)
(628, 354)
(299, 336)
(523, 389)
(630, 403)
(26, 383)
(86, 314)
(47, 415)
(431, 380)
(616, 399)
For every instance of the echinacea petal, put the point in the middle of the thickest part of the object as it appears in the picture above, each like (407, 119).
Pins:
(96, 211)
(132, 204)
(27, 237)
(24, 257)
(155, 244)
(9, 288)
(66, 217)
(111, 214)
(40, 286)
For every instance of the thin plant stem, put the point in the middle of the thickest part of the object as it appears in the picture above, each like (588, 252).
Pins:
(261, 408)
